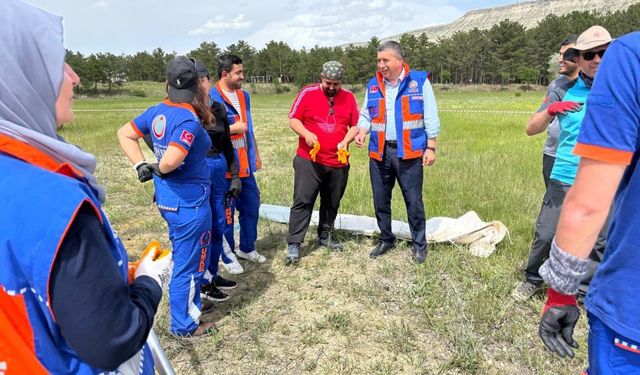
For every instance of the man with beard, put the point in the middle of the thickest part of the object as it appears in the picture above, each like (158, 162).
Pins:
(228, 90)
(400, 111)
(324, 116)
(542, 119)
(570, 107)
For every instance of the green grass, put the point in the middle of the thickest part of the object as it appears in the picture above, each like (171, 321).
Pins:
(342, 312)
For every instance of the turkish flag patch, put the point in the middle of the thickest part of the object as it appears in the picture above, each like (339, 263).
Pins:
(187, 137)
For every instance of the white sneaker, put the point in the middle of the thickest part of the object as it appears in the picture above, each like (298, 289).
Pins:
(233, 268)
(253, 256)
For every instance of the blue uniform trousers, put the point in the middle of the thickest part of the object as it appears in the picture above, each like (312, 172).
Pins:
(248, 206)
(217, 170)
(190, 235)
(409, 175)
(609, 352)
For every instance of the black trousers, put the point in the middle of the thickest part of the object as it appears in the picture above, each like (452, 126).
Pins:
(409, 174)
(310, 179)
(546, 229)
(547, 166)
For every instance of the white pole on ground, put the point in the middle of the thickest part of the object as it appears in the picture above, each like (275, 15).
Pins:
(162, 364)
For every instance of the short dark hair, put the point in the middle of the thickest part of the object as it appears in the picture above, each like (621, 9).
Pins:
(392, 45)
(571, 39)
(226, 63)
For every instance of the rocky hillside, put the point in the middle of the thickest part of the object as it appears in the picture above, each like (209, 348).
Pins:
(528, 13)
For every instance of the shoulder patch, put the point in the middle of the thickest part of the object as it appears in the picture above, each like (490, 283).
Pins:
(187, 137)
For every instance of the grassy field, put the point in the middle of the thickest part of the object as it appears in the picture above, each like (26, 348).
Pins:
(342, 313)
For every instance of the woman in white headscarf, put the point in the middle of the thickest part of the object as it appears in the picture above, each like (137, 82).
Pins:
(65, 304)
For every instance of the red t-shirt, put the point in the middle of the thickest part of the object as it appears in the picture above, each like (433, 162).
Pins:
(312, 108)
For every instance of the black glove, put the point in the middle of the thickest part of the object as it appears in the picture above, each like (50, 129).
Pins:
(235, 188)
(147, 170)
(557, 323)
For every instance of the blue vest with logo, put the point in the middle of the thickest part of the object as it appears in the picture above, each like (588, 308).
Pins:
(39, 206)
(409, 115)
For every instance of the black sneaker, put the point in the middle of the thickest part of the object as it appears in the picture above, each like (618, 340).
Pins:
(224, 284)
(211, 293)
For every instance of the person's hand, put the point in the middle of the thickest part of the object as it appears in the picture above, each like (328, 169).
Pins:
(428, 158)
(561, 108)
(559, 318)
(314, 151)
(147, 170)
(238, 127)
(361, 137)
(155, 263)
(311, 139)
(235, 188)
(343, 146)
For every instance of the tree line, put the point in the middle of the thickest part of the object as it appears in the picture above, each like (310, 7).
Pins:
(506, 53)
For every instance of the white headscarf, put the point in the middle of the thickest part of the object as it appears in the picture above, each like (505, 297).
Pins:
(31, 73)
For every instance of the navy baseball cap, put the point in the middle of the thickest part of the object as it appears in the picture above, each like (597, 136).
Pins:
(182, 77)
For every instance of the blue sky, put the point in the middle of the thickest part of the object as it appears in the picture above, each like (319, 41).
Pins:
(129, 26)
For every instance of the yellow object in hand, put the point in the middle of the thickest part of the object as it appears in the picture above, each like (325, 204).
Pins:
(314, 150)
(343, 156)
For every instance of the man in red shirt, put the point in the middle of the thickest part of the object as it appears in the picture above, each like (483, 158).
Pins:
(325, 117)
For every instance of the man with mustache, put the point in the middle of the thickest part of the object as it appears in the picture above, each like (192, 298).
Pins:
(324, 116)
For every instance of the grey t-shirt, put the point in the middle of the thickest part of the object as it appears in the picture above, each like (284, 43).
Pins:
(555, 92)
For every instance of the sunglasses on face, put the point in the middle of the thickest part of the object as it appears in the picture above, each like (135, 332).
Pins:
(588, 56)
(570, 55)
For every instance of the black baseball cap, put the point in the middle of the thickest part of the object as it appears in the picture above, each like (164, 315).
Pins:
(182, 77)
(201, 68)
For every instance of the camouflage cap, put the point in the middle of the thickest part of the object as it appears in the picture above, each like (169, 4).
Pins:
(332, 70)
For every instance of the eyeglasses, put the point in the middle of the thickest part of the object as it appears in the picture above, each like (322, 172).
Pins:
(588, 56)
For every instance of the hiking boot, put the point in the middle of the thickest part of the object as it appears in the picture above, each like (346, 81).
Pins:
(213, 294)
(524, 291)
(253, 256)
(224, 284)
(293, 253)
(329, 243)
(204, 329)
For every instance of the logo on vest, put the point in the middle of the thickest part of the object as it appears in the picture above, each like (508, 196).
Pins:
(413, 84)
(187, 137)
(158, 125)
(373, 89)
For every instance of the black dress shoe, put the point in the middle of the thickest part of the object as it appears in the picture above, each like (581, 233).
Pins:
(419, 256)
(381, 248)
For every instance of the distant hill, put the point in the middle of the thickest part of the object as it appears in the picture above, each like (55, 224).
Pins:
(527, 13)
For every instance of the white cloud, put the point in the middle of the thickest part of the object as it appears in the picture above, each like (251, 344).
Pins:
(220, 24)
(99, 4)
(334, 22)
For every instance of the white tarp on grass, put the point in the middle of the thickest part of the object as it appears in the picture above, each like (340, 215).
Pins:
(481, 237)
